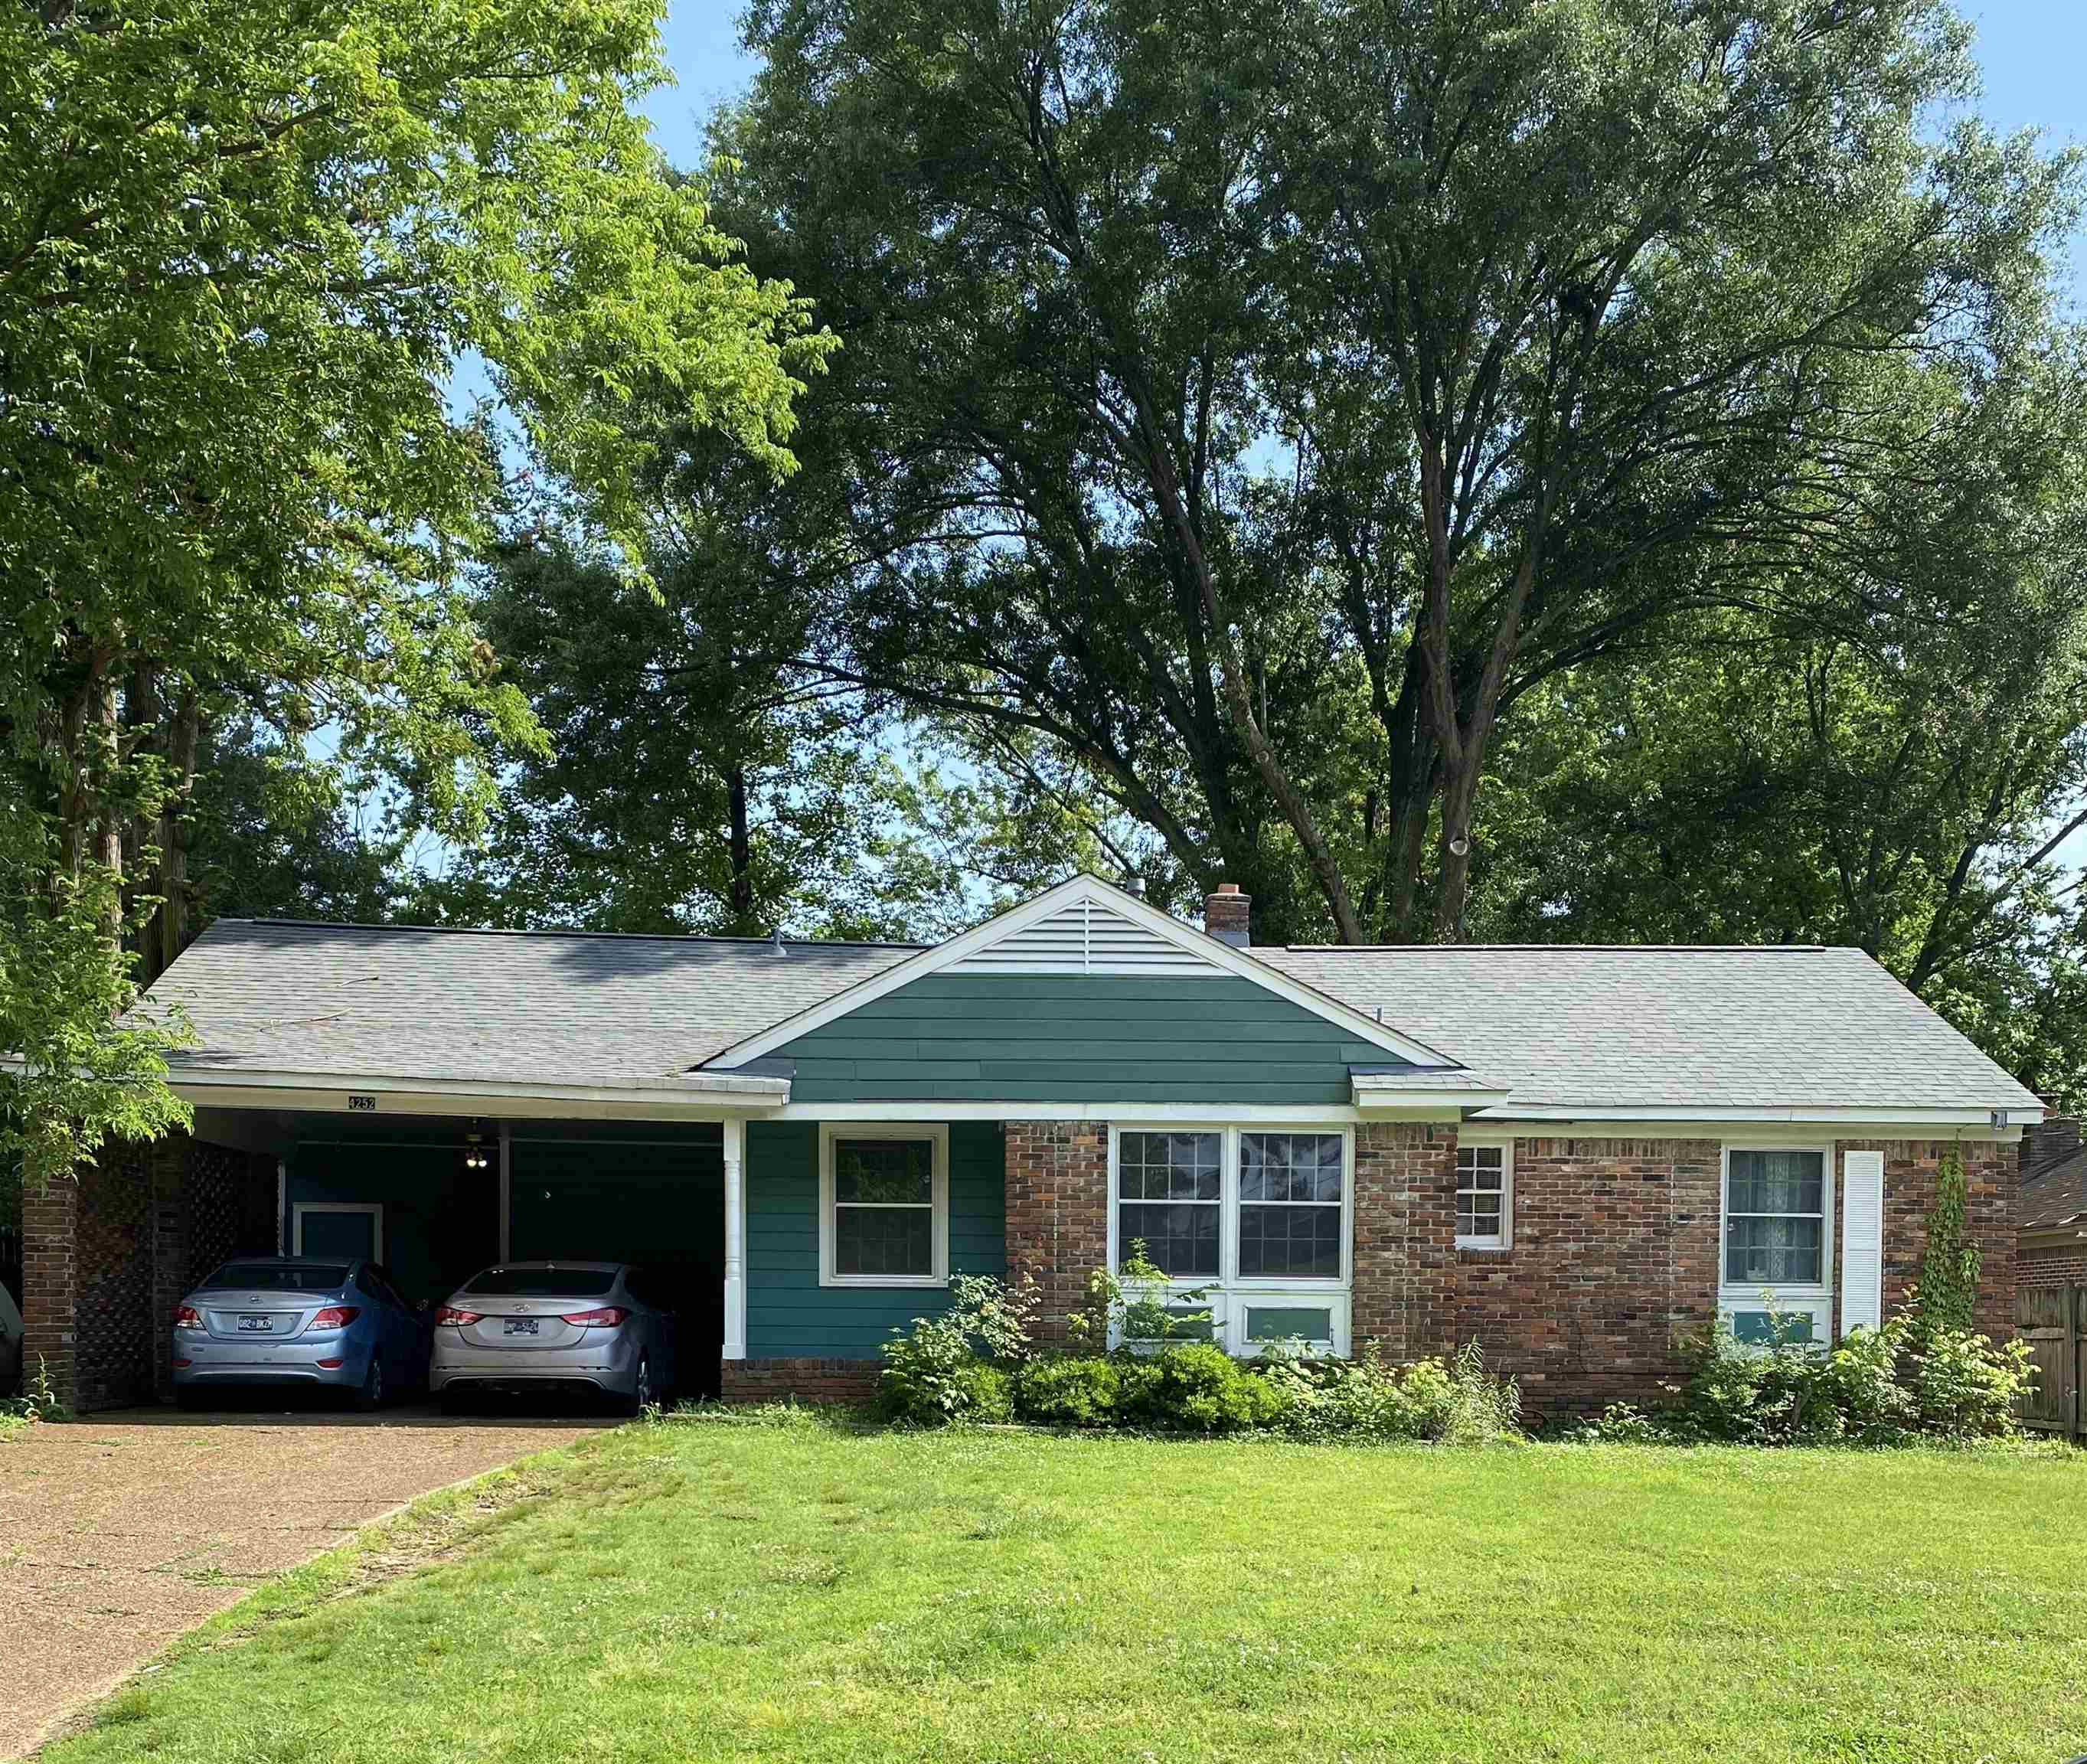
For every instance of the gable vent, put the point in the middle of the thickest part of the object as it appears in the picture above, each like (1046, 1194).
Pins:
(1085, 937)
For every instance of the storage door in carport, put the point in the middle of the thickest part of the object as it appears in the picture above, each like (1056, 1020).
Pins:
(659, 1202)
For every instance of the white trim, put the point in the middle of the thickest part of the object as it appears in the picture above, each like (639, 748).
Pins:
(1230, 1291)
(1815, 1296)
(375, 1209)
(1861, 1240)
(329, 1093)
(1864, 1115)
(734, 1240)
(1190, 1114)
(1219, 954)
(1503, 1144)
(938, 1138)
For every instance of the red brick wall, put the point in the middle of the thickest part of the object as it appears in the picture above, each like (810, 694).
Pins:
(2061, 1264)
(807, 1381)
(1404, 1225)
(1991, 1174)
(106, 1256)
(1057, 1214)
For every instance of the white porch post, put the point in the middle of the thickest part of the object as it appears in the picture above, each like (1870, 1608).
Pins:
(506, 1189)
(735, 1239)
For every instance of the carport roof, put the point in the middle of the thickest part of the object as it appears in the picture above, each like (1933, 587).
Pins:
(291, 997)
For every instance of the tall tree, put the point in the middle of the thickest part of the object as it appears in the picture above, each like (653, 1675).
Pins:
(1208, 365)
(245, 253)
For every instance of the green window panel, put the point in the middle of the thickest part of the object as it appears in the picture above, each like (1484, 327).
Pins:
(1268, 1322)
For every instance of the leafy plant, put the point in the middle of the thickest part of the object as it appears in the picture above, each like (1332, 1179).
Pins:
(1139, 1306)
(1457, 1400)
(1965, 1386)
(1072, 1391)
(1948, 1296)
(1197, 1387)
(939, 1368)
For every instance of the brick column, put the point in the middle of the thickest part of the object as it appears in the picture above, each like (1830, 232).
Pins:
(1057, 1213)
(1404, 1237)
(50, 1289)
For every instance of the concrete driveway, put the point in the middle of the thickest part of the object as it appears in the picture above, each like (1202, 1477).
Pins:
(119, 1531)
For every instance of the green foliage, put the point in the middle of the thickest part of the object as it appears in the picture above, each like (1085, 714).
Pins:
(1197, 1387)
(250, 252)
(954, 1365)
(1455, 1401)
(1070, 1391)
(1897, 1384)
(1947, 1297)
(1138, 1305)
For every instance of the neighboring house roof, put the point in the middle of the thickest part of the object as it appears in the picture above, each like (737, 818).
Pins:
(489, 1006)
(2054, 1195)
(1589, 1029)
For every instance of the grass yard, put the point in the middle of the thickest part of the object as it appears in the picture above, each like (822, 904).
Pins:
(715, 1589)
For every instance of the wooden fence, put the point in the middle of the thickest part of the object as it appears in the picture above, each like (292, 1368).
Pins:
(2053, 1321)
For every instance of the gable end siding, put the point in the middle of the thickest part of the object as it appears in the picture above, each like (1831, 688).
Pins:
(1071, 1038)
(788, 1314)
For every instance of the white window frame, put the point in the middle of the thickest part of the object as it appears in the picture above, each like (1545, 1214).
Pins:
(1231, 1294)
(1814, 1297)
(1502, 1143)
(938, 1137)
(375, 1209)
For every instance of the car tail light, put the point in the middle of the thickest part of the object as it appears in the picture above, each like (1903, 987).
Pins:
(187, 1316)
(331, 1365)
(603, 1317)
(449, 1314)
(335, 1316)
(183, 1362)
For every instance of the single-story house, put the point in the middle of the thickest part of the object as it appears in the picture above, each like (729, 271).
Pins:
(1570, 1155)
(2050, 1218)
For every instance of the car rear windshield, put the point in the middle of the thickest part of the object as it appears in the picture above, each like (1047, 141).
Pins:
(283, 1276)
(544, 1283)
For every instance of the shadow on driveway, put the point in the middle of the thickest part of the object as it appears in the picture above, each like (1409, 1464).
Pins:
(120, 1531)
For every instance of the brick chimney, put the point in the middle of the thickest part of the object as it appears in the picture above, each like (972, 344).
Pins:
(2055, 1136)
(1226, 915)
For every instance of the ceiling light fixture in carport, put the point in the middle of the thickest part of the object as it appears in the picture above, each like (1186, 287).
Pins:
(474, 1153)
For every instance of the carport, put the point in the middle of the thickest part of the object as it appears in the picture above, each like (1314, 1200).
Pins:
(442, 1099)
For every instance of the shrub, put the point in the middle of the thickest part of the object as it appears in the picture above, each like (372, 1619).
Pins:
(1139, 1305)
(1085, 1392)
(1948, 1295)
(1964, 1387)
(1369, 1399)
(1197, 1387)
(940, 1368)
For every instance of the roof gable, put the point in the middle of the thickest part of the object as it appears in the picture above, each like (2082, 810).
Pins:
(1086, 926)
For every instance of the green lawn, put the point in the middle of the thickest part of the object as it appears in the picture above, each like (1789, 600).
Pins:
(709, 1589)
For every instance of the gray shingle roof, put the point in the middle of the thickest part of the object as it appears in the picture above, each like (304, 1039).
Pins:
(1644, 1026)
(395, 1001)
(2053, 1194)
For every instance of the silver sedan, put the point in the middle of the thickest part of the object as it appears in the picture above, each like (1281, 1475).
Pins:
(523, 1325)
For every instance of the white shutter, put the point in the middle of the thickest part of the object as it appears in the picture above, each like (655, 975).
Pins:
(1861, 1240)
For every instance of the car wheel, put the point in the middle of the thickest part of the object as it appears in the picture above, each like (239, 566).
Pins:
(640, 1396)
(370, 1398)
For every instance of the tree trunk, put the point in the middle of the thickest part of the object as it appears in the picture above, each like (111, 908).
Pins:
(742, 852)
(183, 736)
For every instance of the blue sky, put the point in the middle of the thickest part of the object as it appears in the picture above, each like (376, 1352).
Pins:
(2034, 53)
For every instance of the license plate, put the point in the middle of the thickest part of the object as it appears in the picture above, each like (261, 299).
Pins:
(257, 1324)
(521, 1326)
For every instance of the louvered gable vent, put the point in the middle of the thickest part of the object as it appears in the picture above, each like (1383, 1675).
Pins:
(1083, 937)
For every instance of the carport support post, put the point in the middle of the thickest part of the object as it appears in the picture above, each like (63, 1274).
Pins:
(506, 1189)
(734, 1240)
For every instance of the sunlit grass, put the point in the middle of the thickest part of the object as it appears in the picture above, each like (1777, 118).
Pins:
(803, 1592)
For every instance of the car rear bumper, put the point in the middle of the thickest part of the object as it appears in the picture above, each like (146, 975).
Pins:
(239, 1362)
(610, 1365)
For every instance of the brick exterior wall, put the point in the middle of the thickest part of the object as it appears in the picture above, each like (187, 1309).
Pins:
(805, 1380)
(1990, 1175)
(106, 1256)
(2063, 1264)
(1057, 1214)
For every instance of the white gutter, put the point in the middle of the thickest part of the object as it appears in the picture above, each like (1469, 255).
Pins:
(691, 1096)
(1992, 1119)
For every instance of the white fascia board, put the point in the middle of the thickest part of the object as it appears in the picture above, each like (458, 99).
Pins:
(1218, 953)
(329, 1093)
(1455, 1090)
(1977, 1122)
(1207, 1114)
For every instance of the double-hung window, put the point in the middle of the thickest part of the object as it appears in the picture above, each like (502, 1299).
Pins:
(1774, 1260)
(1485, 1187)
(1255, 1219)
(883, 1207)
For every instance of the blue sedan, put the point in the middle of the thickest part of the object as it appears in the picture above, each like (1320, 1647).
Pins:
(298, 1321)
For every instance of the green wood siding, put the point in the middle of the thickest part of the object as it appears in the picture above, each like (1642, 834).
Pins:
(788, 1314)
(442, 1221)
(1077, 1038)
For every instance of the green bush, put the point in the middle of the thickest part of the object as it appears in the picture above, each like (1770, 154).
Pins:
(1369, 1399)
(1197, 1387)
(1964, 1387)
(1073, 1392)
(952, 1366)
